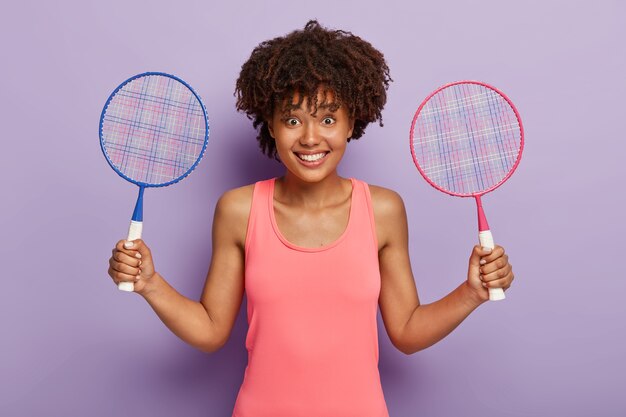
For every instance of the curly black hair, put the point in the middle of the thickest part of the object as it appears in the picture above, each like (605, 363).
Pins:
(304, 61)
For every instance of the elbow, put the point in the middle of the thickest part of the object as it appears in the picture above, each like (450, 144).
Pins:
(210, 346)
(411, 338)
(409, 346)
(212, 342)
(212, 338)
(405, 348)
(408, 350)
(411, 350)
(207, 349)
(418, 347)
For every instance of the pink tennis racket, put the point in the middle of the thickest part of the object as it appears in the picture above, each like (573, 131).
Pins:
(466, 140)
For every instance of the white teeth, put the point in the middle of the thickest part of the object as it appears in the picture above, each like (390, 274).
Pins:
(312, 158)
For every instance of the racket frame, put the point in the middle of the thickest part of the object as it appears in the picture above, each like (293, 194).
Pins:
(103, 147)
(517, 159)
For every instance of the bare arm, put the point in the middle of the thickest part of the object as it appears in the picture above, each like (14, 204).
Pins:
(412, 327)
(206, 324)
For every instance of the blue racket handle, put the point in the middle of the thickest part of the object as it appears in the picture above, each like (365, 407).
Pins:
(134, 232)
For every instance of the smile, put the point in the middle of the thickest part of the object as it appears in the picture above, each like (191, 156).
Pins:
(311, 158)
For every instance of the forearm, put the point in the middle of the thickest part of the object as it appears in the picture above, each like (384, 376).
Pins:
(430, 323)
(186, 318)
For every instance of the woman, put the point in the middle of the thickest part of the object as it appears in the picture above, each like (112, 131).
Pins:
(315, 253)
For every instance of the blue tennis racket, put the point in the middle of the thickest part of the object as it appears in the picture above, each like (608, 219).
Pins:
(154, 130)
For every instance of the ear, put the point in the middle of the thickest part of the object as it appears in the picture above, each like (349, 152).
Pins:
(270, 128)
(351, 129)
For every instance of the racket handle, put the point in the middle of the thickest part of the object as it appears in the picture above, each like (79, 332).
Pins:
(134, 232)
(486, 241)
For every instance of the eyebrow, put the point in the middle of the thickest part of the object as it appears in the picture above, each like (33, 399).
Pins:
(327, 107)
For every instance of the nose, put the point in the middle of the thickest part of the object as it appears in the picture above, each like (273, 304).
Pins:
(311, 136)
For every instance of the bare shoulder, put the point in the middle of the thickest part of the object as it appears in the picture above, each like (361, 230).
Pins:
(232, 212)
(389, 215)
(385, 201)
(238, 199)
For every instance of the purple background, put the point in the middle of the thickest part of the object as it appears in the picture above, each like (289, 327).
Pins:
(72, 345)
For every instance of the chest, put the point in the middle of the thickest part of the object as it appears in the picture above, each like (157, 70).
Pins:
(312, 228)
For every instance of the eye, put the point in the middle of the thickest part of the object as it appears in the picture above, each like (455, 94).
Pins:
(292, 121)
(328, 121)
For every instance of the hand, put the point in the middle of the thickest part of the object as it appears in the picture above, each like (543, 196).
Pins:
(131, 261)
(489, 269)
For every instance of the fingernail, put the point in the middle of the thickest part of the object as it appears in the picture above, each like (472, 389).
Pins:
(485, 284)
(482, 262)
(482, 278)
(138, 255)
(137, 278)
(129, 245)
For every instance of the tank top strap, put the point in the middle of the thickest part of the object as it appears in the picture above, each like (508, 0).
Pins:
(258, 220)
(363, 223)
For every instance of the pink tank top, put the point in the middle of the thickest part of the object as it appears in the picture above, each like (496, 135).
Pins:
(312, 340)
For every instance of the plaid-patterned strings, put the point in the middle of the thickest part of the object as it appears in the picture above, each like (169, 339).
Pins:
(154, 129)
(466, 138)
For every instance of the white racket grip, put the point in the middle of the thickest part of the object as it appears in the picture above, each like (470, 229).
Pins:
(134, 232)
(486, 241)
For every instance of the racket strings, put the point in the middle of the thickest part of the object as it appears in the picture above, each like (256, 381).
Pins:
(466, 138)
(154, 129)
(460, 104)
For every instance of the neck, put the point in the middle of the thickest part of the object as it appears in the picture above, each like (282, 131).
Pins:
(294, 191)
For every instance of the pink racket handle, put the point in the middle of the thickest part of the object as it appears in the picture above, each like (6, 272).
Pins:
(134, 232)
(486, 241)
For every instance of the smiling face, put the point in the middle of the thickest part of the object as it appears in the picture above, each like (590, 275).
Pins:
(311, 145)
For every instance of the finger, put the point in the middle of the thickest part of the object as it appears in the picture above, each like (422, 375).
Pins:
(124, 258)
(477, 254)
(496, 253)
(504, 282)
(121, 277)
(131, 252)
(123, 268)
(139, 246)
(496, 275)
(507, 286)
(494, 265)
